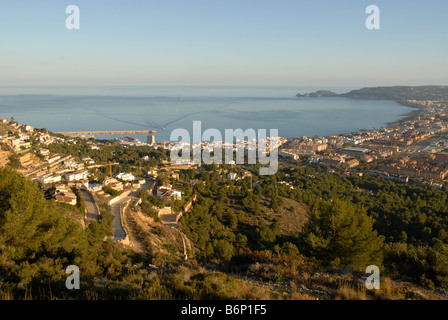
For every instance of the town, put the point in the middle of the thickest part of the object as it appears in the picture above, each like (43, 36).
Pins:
(414, 150)
(173, 213)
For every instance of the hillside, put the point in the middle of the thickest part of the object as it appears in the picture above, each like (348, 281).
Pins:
(4, 156)
(438, 93)
(398, 93)
(149, 237)
(240, 246)
(5, 128)
(263, 280)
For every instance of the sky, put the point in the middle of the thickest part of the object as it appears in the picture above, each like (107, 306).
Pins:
(223, 43)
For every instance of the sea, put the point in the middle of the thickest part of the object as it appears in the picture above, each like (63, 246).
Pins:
(165, 108)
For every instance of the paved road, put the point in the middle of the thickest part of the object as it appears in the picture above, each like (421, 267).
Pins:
(92, 210)
(119, 233)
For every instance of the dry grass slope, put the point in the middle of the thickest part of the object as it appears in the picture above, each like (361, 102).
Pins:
(150, 237)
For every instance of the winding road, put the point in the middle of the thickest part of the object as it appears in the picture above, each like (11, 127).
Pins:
(119, 232)
(91, 207)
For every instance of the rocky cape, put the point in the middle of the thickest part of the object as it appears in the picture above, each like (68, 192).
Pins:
(318, 94)
(397, 93)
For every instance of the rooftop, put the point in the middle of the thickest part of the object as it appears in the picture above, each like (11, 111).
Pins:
(352, 149)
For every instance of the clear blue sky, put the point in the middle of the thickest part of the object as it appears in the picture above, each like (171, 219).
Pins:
(224, 42)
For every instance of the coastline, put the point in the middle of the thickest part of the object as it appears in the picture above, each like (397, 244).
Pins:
(414, 97)
(294, 119)
(408, 116)
(411, 115)
(398, 96)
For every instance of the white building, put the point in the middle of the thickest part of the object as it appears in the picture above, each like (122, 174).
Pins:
(88, 160)
(125, 176)
(48, 178)
(77, 175)
(231, 176)
(167, 190)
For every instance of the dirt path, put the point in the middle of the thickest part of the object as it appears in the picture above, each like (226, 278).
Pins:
(148, 236)
(136, 226)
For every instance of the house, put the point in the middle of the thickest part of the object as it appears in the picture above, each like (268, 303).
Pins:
(176, 194)
(125, 176)
(12, 142)
(182, 162)
(66, 199)
(286, 183)
(62, 193)
(88, 160)
(333, 161)
(437, 186)
(315, 159)
(22, 146)
(44, 152)
(286, 154)
(232, 176)
(77, 175)
(17, 144)
(23, 137)
(69, 164)
(367, 158)
(152, 172)
(59, 188)
(3, 120)
(49, 178)
(352, 163)
(167, 190)
(114, 184)
(54, 159)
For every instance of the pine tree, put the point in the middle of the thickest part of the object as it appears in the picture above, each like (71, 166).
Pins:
(341, 234)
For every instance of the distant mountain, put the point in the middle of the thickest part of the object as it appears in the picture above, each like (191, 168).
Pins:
(398, 93)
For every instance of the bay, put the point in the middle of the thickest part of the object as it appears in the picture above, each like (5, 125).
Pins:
(165, 108)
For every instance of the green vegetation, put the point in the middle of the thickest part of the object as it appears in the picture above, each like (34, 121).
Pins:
(149, 205)
(256, 226)
(39, 239)
(14, 161)
(340, 234)
(80, 202)
(354, 221)
(112, 192)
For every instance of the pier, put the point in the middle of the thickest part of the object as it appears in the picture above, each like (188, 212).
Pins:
(102, 133)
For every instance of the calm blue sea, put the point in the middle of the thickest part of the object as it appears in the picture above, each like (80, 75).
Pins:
(167, 108)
